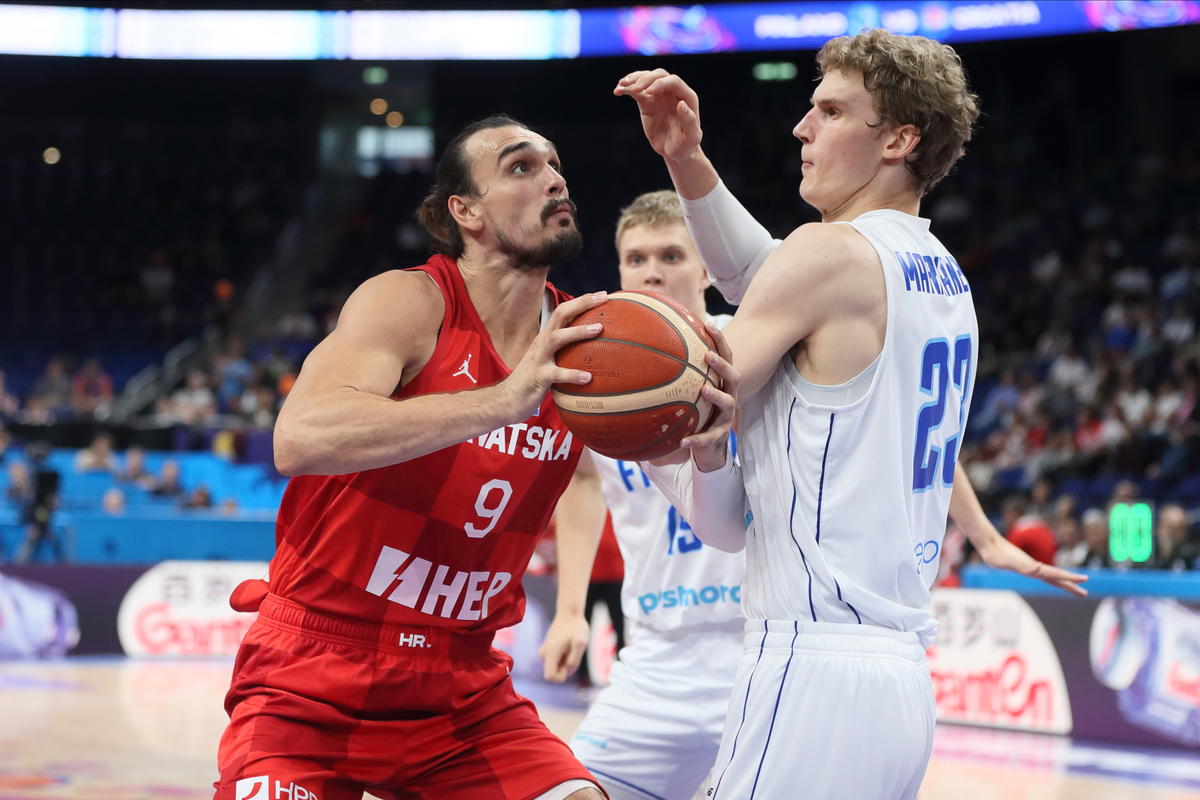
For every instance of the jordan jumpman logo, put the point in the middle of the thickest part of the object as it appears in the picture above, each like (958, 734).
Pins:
(465, 369)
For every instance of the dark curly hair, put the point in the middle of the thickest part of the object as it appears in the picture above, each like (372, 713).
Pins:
(453, 177)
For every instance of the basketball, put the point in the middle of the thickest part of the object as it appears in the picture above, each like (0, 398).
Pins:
(647, 368)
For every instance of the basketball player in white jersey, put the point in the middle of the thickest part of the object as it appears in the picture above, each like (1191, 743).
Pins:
(856, 343)
(655, 730)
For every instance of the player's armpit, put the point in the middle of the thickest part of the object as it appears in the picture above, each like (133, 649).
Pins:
(823, 275)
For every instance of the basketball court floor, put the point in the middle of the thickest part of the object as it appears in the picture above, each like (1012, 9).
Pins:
(122, 729)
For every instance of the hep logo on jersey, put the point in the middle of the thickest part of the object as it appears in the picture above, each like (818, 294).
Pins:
(419, 578)
(259, 789)
(252, 788)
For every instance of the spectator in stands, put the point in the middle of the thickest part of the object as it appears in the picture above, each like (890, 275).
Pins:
(1124, 492)
(9, 404)
(1039, 501)
(201, 497)
(276, 366)
(4, 441)
(1000, 404)
(1095, 534)
(98, 456)
(1177, 549)
(168, 484)
(113, 501)
(194, 403)
(37, 411)
(234, 373)
(19, 491)
(1072, 547)
(91, 390)
(158, 279)
(134, 470)
(54, 387)
(1035, 537)
(297, 324)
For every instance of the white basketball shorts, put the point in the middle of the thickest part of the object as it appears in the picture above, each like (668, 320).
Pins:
(653, 733)
(826, 711)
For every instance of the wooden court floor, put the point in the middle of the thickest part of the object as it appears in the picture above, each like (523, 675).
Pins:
(117, 729)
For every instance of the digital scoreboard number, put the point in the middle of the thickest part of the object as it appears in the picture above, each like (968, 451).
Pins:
(1131, 532)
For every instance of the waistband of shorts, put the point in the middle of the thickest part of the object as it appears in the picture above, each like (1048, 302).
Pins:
(422, 641)
(833, 638)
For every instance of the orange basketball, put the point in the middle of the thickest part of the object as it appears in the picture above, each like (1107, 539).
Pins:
(647, 370)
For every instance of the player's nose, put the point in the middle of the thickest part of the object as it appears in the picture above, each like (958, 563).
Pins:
(803, 129)
(557, 186)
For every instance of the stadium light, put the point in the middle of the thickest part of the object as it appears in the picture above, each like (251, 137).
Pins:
(375, 76)
(379, 106)
(51, 155)
(395, 119)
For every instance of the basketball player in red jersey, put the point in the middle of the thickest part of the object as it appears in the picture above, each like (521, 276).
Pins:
(426, 458)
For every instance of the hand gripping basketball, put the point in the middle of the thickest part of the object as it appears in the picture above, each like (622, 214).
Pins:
(709, 446)
(537, 372)
(670, 111)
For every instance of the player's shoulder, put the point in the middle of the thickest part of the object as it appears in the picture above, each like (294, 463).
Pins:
(828, 242)
(822, 251)
(397, 300)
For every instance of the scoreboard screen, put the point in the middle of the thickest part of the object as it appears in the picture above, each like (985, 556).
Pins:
(1131, 533)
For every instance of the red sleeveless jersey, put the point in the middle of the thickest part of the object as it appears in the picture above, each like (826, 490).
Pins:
(443, 539)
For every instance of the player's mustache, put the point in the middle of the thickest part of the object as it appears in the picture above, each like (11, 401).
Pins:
(555, 205)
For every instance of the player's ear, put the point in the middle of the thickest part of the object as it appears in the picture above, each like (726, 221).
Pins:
(465, 213)
(901, 141)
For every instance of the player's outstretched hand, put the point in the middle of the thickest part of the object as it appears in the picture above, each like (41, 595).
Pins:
(537, 371)
(710, 445)
(563, 647)
(1003, 554)
(670, 111)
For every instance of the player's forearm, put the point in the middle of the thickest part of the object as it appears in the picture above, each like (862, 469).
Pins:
(580, 521)
(968, 514)
(350, 431)
(731, 242)
(713, 503)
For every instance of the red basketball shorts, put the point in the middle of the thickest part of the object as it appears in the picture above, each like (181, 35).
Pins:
(323, 708)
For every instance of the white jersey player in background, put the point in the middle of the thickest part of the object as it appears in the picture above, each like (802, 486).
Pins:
(856, 344)
(654, 732)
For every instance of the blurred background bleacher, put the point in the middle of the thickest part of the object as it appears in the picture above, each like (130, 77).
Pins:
(195, 234)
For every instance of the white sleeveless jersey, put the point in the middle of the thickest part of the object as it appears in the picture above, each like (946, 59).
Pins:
(672, 580)
(849, 486)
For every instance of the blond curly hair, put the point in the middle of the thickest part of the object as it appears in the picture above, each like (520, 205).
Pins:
(914, 81)
(650, 209)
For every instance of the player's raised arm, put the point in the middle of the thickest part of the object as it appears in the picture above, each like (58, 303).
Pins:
(339, 417)
(731, 242)
(997, 551)
(579, 519)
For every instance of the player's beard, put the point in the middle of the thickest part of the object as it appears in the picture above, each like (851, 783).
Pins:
(558, 248)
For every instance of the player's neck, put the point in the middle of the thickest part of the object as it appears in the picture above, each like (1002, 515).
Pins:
(507, 299)
(874, 198)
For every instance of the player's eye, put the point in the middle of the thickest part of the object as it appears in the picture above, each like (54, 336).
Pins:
(520, 166)
(671, 258)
